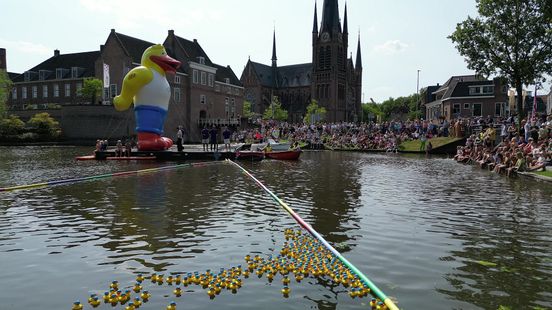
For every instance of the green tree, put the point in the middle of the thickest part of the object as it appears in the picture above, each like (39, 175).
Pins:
(247, 112)
(5, 88)
(44, 125)
(371, 112)
(11, 126)
(275, 111)
(401, 106)
(314, 112)
(91, 89)
(509, 38)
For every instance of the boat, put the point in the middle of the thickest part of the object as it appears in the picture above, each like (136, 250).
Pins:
(131, 158)
(284, 155)
(87, 157)
(250, 155)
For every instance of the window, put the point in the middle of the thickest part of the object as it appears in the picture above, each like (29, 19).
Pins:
(196, 76)
(202, 99)
(203, 78)
(113, 90)
(488, 89)
(14, 93)
(42, 74)
(59, 73)
(467, 106)
(217, 87)
(211, 80)
(27, 76)
(177, 79)
(74, 72)
(498, 108)
(106, 93)
(67, 90)
(455, 109)
(177, 94)
(79, 87)
(56, 90)
(227, 80)
(477, 109)
(24, 92)
(233, 106)
(236, 91)
(44, 91)
(35, 91)
(201, 60)
(226, 103)
(482, 90)
(474, 90)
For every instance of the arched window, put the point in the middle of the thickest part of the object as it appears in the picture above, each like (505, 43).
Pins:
(328, 58)
(321, 58)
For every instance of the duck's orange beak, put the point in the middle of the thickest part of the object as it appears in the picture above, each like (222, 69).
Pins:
(167, 63)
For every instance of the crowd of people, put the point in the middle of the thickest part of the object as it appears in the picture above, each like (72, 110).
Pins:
(529, 149)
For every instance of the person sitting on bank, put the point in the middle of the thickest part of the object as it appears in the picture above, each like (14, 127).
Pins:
(520, 166)
(119, 149)
(98, 145)
(128, 148)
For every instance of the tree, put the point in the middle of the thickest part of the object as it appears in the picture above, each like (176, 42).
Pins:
(45, 125)
(247, 109)
(401, 106)
(91, 89)
(5, 88)
(315, 113)
(275, 111)
(371, 112)
(509, 38)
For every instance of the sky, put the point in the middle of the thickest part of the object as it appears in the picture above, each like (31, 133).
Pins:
(398, 37)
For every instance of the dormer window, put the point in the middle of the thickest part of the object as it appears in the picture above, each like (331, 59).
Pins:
(42, 75)
(201, 60)
(27, 76)
(74, 72)
(227, 80)
(59, 73)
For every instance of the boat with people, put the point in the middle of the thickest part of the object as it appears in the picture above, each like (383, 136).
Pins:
(250, 155)
(284, 155)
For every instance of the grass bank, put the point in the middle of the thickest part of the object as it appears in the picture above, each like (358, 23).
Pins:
(547, 173)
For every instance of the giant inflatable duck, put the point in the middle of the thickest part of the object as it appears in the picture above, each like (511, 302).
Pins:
(148, 88)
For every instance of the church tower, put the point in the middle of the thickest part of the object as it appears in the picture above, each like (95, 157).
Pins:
(329, 67)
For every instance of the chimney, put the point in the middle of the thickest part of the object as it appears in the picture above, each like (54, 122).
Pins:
(3, 65)
(56, 53)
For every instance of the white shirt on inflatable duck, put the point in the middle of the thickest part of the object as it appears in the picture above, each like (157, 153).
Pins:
(146, 86)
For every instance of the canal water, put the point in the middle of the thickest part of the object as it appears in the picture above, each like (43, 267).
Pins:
(431, 233)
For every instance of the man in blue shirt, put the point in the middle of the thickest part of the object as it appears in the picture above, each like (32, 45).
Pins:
(226, 136)
(213, 133)
(205, 139)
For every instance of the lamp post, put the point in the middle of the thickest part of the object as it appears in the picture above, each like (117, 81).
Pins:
(418, 91)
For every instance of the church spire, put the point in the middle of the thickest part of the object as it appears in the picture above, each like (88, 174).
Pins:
(330, 17)
(274, 59)
(345, 26)
(315, 23)
(358, 64)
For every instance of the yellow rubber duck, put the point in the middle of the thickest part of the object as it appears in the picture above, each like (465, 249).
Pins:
(373, 302)
(95, 302)
(285, 291)
(211, 292)
(77, 305)
(285, 280)
(130, 306)
(145, 295)
(137, 288)
(114, 285)
(171, 306)
(106, 297)
(137, 302)
(114, 300)
(140, 278)
(154, 278)
(169, 280)
(146, 86)
(177, 291)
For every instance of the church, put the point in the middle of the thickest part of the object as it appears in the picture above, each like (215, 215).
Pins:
(332, 78)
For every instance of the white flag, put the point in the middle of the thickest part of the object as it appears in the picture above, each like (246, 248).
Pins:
(106, 75)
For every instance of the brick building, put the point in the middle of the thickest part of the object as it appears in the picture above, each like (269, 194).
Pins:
(203, 93)
(468, 96)
(331, 78)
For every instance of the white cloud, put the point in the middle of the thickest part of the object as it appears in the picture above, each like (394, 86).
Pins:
(391, 47)
(26, 47)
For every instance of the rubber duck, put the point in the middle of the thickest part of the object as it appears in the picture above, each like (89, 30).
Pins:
(353, 293)
(298, 277)
(160, 279)
(381, 306)
(114, 285)
(171, 306)
(91, 298)
(77, 305)
(137, 288)
(139, 278)
(145, 295)
(154, 278)
(177, 280)
(137, 302)
(285, 291)
(114, 299)
(177, 291)
(285, 280)
(218, 289)
(373, 302)
(246, 273)
(247, 258)
(130, 306)
(169, 280)
(95, 302)
(147, 87)
(270, 277)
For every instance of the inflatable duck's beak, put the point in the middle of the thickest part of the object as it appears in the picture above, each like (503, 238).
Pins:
(167, 63)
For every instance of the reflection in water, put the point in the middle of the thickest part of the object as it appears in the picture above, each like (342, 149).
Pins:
(419, 229)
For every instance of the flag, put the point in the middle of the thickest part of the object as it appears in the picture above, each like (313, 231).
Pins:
(106, 75)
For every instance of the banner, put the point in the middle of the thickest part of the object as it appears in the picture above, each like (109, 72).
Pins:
(534, 112)
(106, 75)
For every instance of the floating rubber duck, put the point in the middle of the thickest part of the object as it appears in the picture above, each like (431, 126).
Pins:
(146, 86)
(77, 305)
(218, 289)
(285, 291)
(114, 300)
(177, 291)
(114, 285)
(285, 280)
(95, 302)
(137, 288)
(381, 306)
(91, 298)
(154, 278)
(130, 306)
(137, 302)
(353, 293)
(373, 302)
(145, 295)
(171, 306)
(139, 278)
(211, 292)
(106, 297)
